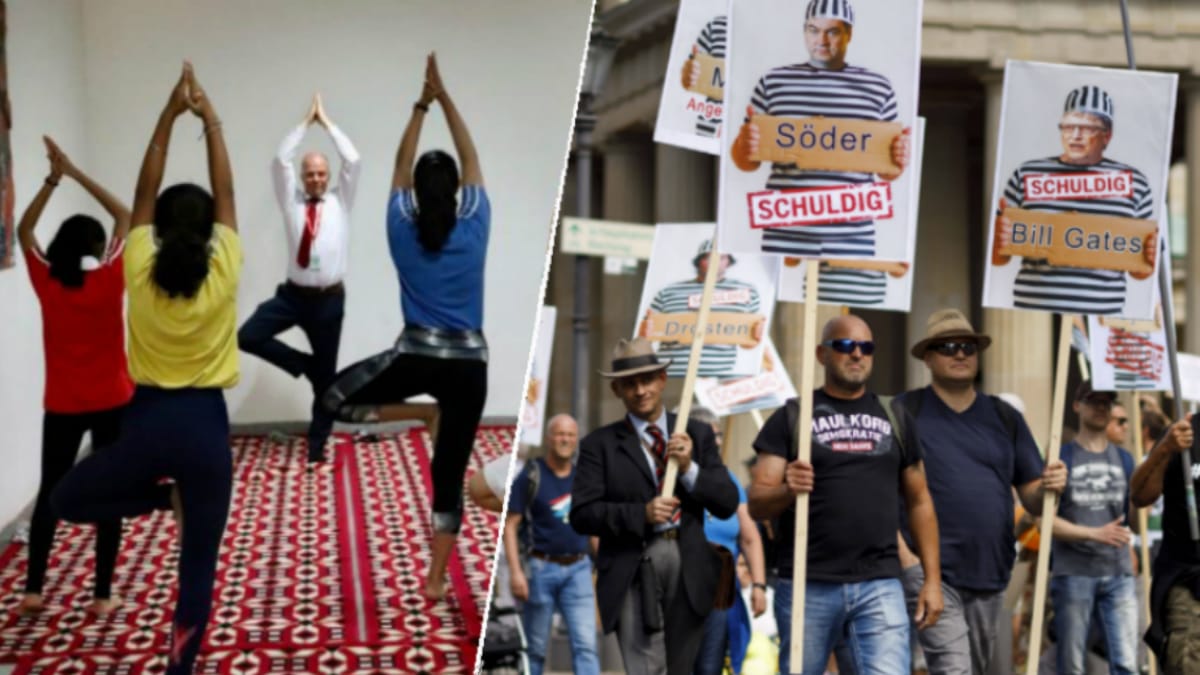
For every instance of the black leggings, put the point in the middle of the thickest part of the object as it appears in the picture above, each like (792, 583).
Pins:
(181, 434)
(460, 388)
(61, 435)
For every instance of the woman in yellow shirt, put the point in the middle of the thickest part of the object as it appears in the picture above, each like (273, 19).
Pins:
(181, 274)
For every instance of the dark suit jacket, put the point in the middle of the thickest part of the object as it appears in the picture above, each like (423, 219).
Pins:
(613, 483)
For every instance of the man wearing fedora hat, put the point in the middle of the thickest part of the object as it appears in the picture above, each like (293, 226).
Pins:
(863, 461)
(729, 296)
(977, 449)
(655, 602)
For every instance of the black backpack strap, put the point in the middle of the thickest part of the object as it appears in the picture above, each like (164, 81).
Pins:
(1008, 416)
(889, 404)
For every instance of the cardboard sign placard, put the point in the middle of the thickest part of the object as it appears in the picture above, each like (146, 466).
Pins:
(1080, 240)
(1133, 325)
(724, 328)
(711, 82)
(894, 268)
(827, 143)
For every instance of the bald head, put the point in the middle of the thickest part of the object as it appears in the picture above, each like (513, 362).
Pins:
(564, 436)
(314, 173)
(846, 372)
(846, 326)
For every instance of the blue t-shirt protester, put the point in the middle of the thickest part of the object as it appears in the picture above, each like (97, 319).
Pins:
(547, 517)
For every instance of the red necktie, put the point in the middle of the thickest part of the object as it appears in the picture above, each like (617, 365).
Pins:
(659, 450)
(310, 232)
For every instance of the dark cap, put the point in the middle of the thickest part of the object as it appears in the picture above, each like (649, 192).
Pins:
(1084, 390)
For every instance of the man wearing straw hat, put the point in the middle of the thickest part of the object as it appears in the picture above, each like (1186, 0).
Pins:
(977, 449)
(655, 601)
(1085, 130)
(862, 462)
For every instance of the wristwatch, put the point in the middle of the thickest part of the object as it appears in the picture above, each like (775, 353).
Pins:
(760, 586)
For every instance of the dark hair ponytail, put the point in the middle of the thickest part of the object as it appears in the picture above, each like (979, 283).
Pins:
(78, 236)
(183, 219)
(436, 183)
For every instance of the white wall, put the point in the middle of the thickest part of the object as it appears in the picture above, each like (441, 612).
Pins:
(96, 75)
(45, 80)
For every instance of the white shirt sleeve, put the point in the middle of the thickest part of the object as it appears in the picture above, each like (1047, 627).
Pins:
(688, 478)
(283, 171)
(351, 166)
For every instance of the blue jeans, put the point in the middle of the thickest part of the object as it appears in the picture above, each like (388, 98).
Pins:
(869, 617)
(711, 659)
(1116, 599)
(569, 589)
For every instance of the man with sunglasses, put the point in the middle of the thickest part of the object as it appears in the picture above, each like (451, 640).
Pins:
(1085, 130)
(1118, 426)
(1092, 564)
(977, 449)
(859, 459)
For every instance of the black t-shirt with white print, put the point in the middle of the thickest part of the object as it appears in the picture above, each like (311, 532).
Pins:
(854, 509)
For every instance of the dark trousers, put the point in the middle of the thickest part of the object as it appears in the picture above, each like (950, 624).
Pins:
(460, 388)
(319, 315)
(61, 435)
(181, 434)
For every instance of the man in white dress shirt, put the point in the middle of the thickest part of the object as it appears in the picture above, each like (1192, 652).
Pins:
(317, 223)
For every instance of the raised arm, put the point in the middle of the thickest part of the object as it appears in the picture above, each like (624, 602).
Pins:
(33, 212)
(406, 154)
(283, 166)
(472, 174)
(351, 161)
(220, 175)
(151, 175)
(115, 207)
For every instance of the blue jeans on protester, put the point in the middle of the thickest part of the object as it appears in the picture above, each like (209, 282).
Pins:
(569, 589)
(714, 648)
(1116, 599)
(868, 617)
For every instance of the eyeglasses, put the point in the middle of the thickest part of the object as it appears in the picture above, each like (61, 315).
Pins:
(1087, 130)
(952, 348)
(847, 346)
(1121, 421)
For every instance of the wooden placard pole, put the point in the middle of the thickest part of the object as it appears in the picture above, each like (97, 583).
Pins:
(689, 380)
(808, 366)
(756, 415)
(1050, 499)
(1139, 452)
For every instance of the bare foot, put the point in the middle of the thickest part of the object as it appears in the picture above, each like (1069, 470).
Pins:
(435, 589)
(104, 606)
(32, 604)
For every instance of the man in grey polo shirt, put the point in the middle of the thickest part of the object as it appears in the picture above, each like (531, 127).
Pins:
(1092, 566)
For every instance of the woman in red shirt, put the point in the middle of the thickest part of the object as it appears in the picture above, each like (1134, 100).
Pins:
(80, 285)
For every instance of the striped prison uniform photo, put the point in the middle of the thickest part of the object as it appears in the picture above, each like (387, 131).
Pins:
(803, 90)
(850, 287)
(711, 42)
(1040, 285)
(715, 360)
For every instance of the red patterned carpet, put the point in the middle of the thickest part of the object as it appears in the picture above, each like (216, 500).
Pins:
(321, 572)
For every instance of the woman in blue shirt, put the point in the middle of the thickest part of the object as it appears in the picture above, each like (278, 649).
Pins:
(438, 243)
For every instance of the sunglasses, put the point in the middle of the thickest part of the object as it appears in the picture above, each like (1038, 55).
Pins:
(952, 348)
(1121, 421)
(847, 346)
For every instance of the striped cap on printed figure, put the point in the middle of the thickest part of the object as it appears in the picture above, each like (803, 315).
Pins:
(830, 9)
(1090, 99)
(705, 249)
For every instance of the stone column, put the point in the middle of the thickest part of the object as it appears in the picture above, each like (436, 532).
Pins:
(627, 195)
(685, 189)
(1021, 358)
(943, 259)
